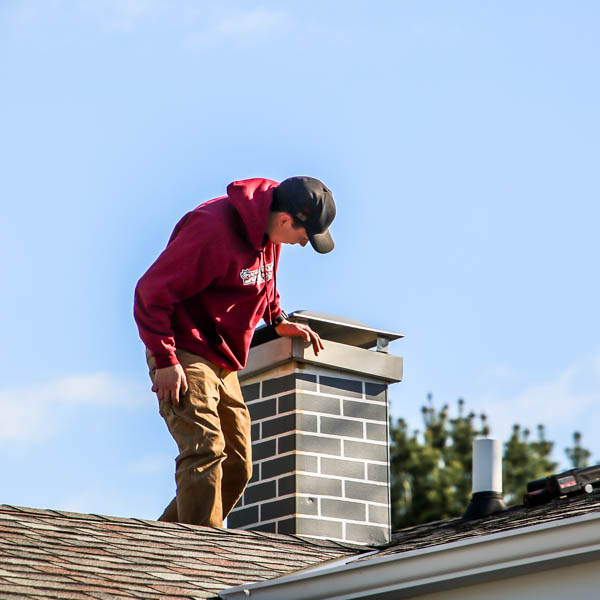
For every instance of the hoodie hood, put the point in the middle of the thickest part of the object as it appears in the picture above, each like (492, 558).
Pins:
(252, 200)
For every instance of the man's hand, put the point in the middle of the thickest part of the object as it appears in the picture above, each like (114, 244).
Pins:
(168, 382)
(289, 329)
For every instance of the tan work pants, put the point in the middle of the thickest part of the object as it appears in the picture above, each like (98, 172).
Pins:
(211, 426)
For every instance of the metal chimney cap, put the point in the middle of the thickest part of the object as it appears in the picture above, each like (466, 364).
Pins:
(333, 328)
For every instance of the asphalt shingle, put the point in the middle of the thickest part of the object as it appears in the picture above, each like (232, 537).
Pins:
(54, 554)
(47, 554)
(453, 530)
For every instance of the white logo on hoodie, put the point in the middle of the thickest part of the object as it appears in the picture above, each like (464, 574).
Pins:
(257, 276)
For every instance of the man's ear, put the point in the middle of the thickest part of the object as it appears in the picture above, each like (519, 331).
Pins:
(285, 220)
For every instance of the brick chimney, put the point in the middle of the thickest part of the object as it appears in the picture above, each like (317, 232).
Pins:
(320, 432)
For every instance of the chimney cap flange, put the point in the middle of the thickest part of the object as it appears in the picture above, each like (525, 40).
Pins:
(333, 328)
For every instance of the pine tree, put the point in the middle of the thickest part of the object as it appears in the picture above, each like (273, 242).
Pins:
(524, 461)
(578, 455)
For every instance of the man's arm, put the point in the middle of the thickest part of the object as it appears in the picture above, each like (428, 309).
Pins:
(186, 267)
(289, 329)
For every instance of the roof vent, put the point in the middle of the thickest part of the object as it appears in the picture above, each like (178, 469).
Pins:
(569, 483)
(487, 479)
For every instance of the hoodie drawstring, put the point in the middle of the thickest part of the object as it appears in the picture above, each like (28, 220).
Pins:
(263, 263)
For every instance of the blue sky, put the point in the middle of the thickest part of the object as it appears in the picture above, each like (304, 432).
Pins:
(460, 140)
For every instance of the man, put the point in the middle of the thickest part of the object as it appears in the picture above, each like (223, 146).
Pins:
(196, 309)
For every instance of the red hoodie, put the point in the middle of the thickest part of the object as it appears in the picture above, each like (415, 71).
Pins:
(215, 280)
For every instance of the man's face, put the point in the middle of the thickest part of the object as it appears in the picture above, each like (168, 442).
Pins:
(290, 232)
(296, 235)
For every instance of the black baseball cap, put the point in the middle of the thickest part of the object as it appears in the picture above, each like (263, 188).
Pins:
(310, 202)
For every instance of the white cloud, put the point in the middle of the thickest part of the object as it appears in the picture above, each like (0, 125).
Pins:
(39, 412)
(257, 21)
(120, 15)
(197, 23)
(30, 11)
(566, 403)
(123, 15)
(240, 26)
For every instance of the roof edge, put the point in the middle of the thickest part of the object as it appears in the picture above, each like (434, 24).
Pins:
(445, 566)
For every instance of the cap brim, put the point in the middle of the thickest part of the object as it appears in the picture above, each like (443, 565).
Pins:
(321, 242)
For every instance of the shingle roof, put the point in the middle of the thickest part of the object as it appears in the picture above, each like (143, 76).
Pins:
(453, 530)
(53, 554)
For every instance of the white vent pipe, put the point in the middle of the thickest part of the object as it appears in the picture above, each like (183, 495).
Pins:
(487, 479)
(487, 465)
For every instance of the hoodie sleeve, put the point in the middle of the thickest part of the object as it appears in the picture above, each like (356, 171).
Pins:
(187, 266)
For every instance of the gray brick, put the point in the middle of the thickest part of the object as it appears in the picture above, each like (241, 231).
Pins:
(278, 508)
(278, 385)
(307, 423)
(251, 392)
(255, 474)
(365, 450)
(376, 391)
(286, 403)
(268, 527)
(343, 468)
(363, 410)
(255, 431)
(286, 485)
(323, 486)
(366, 491)
(262, 450)
(344, 427)
(377, 432)
(242, 517)
(304, 381)
(307, 506)
(342, 509)
(278, 466)
(377, 473)
(379, 514)
(260, 492)
(370, 534)
(319, 404)
(340, 387)
(315, 443)
(286, 526)
(307, 463)
(278, 425)
(321, 527)
(286, 443)
(260, 409)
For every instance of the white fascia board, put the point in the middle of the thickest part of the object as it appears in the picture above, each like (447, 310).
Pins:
(445, 566)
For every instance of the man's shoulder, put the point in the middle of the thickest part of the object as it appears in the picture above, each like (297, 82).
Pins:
(215, 206)
(219, 212)
(216, 218)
